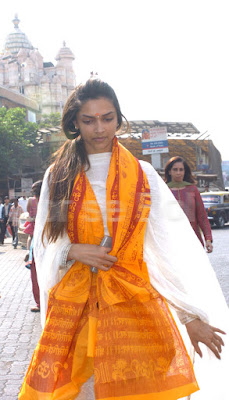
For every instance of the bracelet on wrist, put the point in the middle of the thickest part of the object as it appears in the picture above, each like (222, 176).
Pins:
(65, 255)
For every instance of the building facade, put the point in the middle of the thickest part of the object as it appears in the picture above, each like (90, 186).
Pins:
(23, 70)
(184, 140)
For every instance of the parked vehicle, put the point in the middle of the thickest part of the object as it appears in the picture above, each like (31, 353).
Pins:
(217, 207)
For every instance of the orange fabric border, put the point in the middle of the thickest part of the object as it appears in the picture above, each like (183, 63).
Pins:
(172, 394)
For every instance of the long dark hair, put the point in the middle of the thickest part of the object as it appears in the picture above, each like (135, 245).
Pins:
(188, 177)
(36, 189)
(72, 156)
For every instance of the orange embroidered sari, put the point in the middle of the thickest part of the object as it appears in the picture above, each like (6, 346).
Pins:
(111, 324)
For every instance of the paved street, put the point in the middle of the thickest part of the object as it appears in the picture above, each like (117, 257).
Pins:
(20, 328)
(220, 258)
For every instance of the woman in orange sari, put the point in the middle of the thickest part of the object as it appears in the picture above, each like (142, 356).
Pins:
(108, 330)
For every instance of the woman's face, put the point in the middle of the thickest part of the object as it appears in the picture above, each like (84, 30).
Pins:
(177, 172)
(97, 121)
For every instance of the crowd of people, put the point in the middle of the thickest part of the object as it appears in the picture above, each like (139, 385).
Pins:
(10, 213)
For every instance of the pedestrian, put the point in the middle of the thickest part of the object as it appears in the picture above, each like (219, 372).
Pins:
(4, 221)
(30, 223)
(179, 178)
(1, 207)
(14, 215)
(30, 264)
(22, 201)
(109, 332)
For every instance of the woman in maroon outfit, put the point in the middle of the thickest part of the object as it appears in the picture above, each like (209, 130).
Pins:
(178, 177)
(30, 264)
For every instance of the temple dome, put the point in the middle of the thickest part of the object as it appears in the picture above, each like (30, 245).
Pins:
(17, 40)
(65, 52)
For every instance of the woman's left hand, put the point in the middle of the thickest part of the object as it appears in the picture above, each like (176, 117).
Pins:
(209, 246)
(199, 331)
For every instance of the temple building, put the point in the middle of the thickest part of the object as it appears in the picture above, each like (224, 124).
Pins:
(23, 71)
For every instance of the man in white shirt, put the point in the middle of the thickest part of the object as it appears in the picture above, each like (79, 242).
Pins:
(22, 201)
(1, 207)
(14, 215)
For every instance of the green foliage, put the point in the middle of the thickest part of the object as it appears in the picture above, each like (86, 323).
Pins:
(49, 120)
(17, 138)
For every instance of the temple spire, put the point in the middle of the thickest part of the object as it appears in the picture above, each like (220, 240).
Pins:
(16, 21)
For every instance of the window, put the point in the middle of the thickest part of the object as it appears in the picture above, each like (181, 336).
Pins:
(31, 116)
(226, 198)
(211, 199)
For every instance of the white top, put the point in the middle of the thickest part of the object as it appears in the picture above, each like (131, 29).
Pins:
(23, 203)
(1, 207)
(97, 177)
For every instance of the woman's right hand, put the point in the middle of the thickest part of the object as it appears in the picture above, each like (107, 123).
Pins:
(92, 255)
(209, 246)
(200, 331)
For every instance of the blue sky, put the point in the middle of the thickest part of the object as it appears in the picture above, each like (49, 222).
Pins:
(167, 60)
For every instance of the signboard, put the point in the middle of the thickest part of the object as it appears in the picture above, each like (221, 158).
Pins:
(26, 185)
(154, 140)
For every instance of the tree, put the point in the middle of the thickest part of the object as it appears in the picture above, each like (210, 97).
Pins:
(49, 120)
(17, 139)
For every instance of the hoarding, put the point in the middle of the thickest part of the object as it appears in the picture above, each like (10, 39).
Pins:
(154, 140)
(26, 185)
